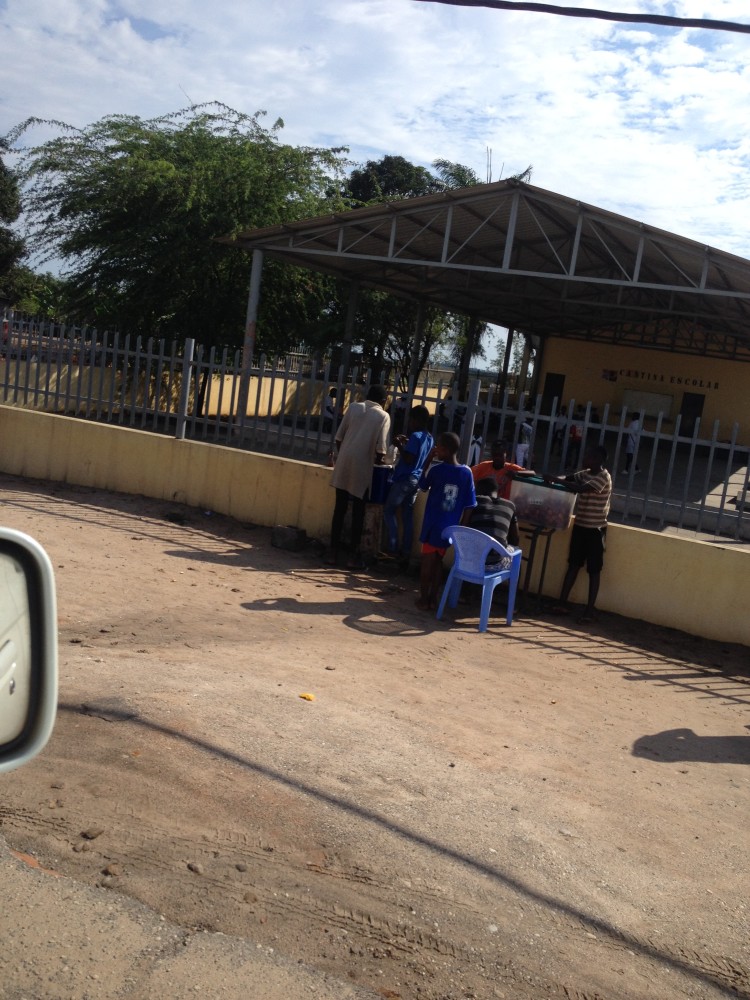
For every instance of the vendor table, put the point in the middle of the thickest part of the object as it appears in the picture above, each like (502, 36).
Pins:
(534, 533)
(542, 508)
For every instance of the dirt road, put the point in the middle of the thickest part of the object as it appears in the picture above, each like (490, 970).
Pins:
(540, 811)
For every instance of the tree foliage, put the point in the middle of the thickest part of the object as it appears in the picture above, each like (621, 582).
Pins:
(11, 245)
(388, 179)
(386, 328)
(134, 208)
(455, 175)
(40, 295)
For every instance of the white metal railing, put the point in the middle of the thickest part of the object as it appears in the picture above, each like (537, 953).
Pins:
(689, 478)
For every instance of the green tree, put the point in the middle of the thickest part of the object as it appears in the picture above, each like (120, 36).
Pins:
(134, 207)
(386, 327)
(455, 175)
(521, 344)
(470, 333)
(44, 295)
(388, 179)
(11, 245)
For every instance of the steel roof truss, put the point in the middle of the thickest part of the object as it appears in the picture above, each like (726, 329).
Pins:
(545, 264)
(524, 272)
(447, 235)
(511, 234)
(673, 263)
(576, 243)
(484, 222)
(423, 227)
(622, 269)
(546, 237)
(362, 235)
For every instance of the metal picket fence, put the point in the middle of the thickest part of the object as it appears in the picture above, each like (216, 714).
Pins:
(690, 479)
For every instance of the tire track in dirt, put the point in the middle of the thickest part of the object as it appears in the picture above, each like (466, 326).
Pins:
(275, 878)
(284, 888)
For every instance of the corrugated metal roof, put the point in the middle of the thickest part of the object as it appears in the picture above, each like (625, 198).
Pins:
(520, 256)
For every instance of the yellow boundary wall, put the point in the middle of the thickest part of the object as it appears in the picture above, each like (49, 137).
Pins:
(698, 587)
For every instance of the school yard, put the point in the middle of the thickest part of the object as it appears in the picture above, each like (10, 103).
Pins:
(541, 811)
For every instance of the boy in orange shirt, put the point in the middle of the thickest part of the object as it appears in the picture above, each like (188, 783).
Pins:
(499, 468)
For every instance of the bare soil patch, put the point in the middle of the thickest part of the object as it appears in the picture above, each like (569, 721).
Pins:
(541, 811)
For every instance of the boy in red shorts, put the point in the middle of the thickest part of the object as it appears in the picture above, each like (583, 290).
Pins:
(450, 498)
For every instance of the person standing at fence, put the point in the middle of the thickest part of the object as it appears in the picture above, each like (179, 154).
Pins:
(593, 484)
(413, 451)
(576, 437)
(475, 446)
(632, 432)
(399, 413)
(361, 442)
(524, 442)
(329, 411)
(558, 435)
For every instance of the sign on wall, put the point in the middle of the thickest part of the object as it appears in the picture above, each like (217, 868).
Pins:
(652, 403)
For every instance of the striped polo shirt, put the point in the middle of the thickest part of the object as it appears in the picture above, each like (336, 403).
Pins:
(592, 508)
(493, 516)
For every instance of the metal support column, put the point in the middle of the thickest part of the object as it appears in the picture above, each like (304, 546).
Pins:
(351, 315)
(248, 345)
(508, 356)
(414, 363)
(187, 373)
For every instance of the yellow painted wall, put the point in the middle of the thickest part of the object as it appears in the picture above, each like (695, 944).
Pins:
(303, 396)
(725, 384)
(271, 395)
(258, 488)
(50, 390)
(698, 587)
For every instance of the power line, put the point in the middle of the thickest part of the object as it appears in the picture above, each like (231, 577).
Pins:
(603, 15)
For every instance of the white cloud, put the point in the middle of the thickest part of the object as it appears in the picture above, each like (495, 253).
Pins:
(651, 122)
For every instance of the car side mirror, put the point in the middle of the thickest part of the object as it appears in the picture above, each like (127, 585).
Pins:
(28, 649)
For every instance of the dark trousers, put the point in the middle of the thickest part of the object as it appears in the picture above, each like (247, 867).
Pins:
(339, 513)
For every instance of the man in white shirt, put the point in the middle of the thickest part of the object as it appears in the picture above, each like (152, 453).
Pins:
(361, 442)
(632, 431)
(524, 441)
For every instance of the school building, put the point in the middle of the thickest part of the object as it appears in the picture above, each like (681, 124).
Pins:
(673, 384)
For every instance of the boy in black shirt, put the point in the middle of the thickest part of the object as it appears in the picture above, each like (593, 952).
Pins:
(494, 516)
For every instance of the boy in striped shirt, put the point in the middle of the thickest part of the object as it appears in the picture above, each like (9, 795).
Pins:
(593, 484)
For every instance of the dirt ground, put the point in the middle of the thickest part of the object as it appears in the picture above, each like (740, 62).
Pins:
(545, 810)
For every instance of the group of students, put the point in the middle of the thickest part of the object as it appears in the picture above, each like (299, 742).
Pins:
(475, 496)
(459, 494)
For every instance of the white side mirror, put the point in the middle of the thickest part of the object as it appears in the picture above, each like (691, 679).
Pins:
(28, 649)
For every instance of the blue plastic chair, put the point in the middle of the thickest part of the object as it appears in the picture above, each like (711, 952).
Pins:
(471, 548)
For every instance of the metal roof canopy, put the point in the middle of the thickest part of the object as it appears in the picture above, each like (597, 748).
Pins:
(546, 265)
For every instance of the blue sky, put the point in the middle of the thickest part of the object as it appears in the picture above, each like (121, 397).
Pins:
(649, 122)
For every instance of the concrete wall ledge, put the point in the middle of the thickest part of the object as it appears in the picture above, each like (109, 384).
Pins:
(697, 587)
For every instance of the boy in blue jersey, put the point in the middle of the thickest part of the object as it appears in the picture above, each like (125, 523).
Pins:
(450, 500)
(413, 451)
